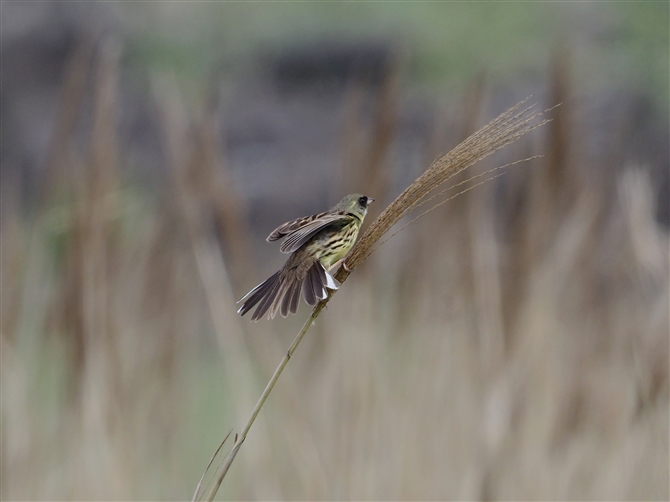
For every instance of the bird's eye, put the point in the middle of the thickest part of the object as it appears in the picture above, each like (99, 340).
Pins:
(363, 201)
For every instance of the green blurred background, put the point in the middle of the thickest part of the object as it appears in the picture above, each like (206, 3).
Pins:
(512, 344)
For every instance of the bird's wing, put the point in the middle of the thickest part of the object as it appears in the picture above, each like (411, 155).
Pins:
(299, 231)
(292, 226)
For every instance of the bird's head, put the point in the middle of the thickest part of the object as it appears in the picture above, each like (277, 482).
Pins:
(355, 203)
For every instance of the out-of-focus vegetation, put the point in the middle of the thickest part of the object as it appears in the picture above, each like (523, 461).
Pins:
(512, 344)
(618, 44)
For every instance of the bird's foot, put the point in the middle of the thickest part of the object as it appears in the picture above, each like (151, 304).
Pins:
(341, 263)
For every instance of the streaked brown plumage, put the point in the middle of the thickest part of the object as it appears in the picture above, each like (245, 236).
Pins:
(317, 243)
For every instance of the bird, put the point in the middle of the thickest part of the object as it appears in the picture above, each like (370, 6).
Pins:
(317, 243)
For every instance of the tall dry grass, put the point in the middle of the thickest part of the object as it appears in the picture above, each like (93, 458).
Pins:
(511, 346)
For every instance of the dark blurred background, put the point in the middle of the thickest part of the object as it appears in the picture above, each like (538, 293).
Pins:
(511, 344)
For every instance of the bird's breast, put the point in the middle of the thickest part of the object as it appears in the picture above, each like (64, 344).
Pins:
(333, 244)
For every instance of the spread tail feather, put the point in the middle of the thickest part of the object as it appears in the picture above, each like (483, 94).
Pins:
(261, 295)
(317, 282)
(281, 292)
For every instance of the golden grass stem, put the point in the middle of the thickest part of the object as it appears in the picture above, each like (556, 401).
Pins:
(239, 439)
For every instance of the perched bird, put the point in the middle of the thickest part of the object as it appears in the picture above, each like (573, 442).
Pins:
(317, 243)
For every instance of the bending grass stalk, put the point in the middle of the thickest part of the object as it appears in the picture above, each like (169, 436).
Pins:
(261, 401)
(501, 131)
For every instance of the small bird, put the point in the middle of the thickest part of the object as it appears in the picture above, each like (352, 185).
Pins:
(317, 244)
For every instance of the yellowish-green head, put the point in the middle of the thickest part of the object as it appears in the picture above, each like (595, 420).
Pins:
(355, 203)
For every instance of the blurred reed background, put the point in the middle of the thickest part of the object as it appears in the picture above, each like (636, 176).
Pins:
(512, 344)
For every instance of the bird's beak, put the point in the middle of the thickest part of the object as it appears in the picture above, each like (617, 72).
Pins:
(370, 199)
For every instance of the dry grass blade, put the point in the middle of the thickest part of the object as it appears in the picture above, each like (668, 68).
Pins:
(501, 131)
(211, 461)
